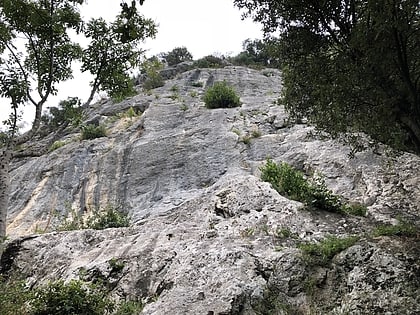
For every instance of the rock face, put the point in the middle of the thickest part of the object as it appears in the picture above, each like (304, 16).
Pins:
(204, 235)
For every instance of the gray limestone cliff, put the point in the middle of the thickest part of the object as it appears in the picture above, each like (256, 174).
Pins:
(204, 234)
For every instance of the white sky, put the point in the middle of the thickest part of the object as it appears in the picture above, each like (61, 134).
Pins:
(204, 27)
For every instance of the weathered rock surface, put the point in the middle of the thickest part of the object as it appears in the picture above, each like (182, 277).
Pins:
(204, 236)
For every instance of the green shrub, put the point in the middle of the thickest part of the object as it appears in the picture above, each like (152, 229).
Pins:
(320, 197)
(110, 217)
(92, 131)
(355, 209)
(292, 183)
(286, 180)
(401, 229)
(209, 62)
(220, 95)
(116, 265)
(13, 297)
(177, 55)
(321, 253)
(73, 298)
(56, 145)
(59, 298)
(68, 111)
(129, 308)
(151, 69)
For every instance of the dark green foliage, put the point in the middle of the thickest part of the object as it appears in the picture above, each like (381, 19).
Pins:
(116, 265)
(68, 111)
(209, 61)
(321, 253)
(286, 180)
(113, 50)
(256, 53)
(151, 70)
(312, 191)
(177, 55)
(13, 296)
(355, 209)
(349, 66)
(129, 308)
(72, 298)
(92, 131)
(109, 217)
(60, 298)
(220, 95)
(401, 229)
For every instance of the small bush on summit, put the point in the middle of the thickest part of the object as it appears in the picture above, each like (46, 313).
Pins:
(74, 297)
(220, 95)
(209, 62)
(177, 55)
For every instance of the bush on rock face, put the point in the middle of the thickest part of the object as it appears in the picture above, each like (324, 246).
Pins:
(220, 95)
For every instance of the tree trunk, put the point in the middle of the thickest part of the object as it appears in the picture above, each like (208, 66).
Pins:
(413, 126)
(5, 159)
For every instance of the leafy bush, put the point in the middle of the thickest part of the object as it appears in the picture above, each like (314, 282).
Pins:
(286, 180)
(322, 252)
(220, 95)
(73, 298)
(209, 62)
(129, 308)
(56, 145)
(355, 209)
(177, 55)
(110, 217)
(13, 297)
(68, 111)
(320, 197)
(151, 70)
(92, 131)
(401, 229)
(292, 183)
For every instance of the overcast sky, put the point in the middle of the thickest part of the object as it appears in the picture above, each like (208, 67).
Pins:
(204, 27)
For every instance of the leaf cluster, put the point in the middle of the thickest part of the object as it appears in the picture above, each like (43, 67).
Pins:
(177, 55)
(92, 131)
(209, 61)
(322, 252)
(68, 111)
(312, 191)
(151, 68)
(74, 297)
(348, 66)
(221, 95)
(109, 217)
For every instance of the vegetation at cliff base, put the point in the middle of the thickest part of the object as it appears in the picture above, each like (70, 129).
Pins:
(75, 297)
(312, 191)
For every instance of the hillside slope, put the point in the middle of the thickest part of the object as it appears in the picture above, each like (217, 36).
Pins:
(207, 236)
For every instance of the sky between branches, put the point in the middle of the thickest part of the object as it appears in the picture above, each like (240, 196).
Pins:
(204, 27)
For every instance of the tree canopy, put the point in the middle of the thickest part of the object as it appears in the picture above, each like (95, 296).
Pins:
(39, 43)
(38, 50)
(349, 66)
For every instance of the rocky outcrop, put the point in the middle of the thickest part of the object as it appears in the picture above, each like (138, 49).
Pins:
(206, 231)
